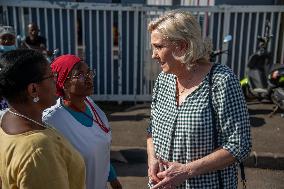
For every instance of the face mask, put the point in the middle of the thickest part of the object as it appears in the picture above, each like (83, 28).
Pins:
(7, 48)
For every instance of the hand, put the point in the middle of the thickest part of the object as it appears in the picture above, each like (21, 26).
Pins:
(173, 176)
(115, 184)
(153, 169)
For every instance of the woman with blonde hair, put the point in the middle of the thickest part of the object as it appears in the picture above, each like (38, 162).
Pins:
(199, 127)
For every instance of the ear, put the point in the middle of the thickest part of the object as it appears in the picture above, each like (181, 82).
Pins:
(181, 48)
(33, 90)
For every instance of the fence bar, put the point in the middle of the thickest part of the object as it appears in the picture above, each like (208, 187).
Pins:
(204, 26)
(241, 44)
(68, 33)
(15, 19)
(227, 17)
(120, 50)
(211, 25)
(75, 33)
(105, 53)
(83, 35)
(256, 31)
(53, 29)
(61, 30)
(282, 52)
(5, 14)
(30, 15)
(90, 39)
(277, 38)
(263, 24)
(127, 53)
(37, 17)
(218, 33)
(111, 54)
(135, 52)
(234, 38)
(46, 27)
(142, 37)
(23, 21)
(248, 37)
(271, 29)
(98, 50)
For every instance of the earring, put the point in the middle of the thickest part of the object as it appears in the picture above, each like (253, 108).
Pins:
(36, 99)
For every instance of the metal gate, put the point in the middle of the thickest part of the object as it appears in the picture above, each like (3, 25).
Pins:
(113, 39)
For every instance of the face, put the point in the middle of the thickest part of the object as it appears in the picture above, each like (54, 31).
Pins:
(7, 40)
(47, 92)
(80, 81)
(163, 51)
(33, 31)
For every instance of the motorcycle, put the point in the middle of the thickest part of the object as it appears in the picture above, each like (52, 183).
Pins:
(276, 78)
(264, 79)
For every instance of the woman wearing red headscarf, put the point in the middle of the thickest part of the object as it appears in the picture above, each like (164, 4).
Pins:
(80, 120)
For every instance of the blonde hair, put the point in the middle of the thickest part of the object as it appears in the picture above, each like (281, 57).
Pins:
(182, 26)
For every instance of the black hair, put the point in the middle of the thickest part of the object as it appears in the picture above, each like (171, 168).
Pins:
(19, 68)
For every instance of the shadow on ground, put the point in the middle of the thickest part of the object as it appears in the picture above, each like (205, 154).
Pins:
(135, 164)
(256, 121)
(137, 117)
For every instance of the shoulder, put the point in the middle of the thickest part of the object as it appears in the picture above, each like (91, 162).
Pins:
(164, 79)
(25, 144)
(53, 111)
(223, 74)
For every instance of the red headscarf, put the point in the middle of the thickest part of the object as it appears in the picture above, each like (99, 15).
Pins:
(62, 67)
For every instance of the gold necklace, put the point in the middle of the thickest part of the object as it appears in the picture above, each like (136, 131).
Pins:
(184, 88)
(29, 119)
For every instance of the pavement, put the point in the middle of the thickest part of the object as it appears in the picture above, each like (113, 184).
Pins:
(129, 156)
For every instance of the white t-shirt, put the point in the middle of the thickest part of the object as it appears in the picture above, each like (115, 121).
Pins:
(92, 142)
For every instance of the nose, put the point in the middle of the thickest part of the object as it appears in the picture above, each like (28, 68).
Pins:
(154, 54)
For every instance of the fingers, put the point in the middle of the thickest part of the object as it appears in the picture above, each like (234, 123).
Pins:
(152, 173)
(153, 178)
(166, 163)
(162, 175)
(163, 184)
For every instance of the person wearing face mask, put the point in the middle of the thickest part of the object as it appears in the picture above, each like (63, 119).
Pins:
(7, 39)
(7, 43)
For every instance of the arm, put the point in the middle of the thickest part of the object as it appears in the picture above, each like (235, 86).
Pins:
(153, 163)
(112, 178)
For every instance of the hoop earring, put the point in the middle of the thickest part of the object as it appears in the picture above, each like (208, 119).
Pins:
(36, 99)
